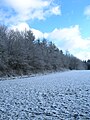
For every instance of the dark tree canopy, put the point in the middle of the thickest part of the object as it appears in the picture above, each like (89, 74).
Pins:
(88, 64)
(21, 54)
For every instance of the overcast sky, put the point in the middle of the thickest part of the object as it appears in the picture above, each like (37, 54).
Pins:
(65, 22)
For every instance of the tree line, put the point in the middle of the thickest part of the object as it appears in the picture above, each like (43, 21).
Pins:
(21, 54)
(88, 64)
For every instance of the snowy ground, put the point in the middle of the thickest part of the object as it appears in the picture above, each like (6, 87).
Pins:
(55, 96)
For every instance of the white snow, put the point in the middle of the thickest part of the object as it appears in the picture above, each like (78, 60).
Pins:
(55, 96)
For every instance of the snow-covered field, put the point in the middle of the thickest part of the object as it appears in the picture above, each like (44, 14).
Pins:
(55, 96)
